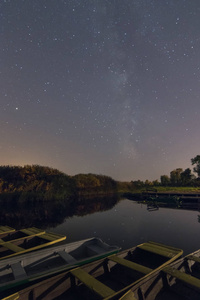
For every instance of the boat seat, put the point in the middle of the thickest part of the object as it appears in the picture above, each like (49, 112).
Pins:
(94, 249)
(129, 264)
(67, 257)
(158, 250)
(194, 258)
(51, 237)
(186, 278)
(32, 231)
(93, 284)
(18, 271)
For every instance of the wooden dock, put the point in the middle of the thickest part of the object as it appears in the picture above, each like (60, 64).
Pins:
(183, 200)
(172, 194)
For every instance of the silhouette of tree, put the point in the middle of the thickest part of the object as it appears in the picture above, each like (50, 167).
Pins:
(196, 161)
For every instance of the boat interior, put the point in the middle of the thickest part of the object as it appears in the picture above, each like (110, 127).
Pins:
(181, 280)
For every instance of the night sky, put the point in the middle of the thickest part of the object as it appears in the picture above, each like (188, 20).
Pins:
(105, 87)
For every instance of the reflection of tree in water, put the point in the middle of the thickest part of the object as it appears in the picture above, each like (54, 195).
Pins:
(92, 205)
(43, 214)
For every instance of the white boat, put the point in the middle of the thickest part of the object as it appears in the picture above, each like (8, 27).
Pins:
(26, 268)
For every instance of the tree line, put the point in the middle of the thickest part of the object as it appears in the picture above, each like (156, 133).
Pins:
(178, 177)
(34, 182)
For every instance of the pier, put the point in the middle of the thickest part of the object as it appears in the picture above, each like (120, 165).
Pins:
(183, 200)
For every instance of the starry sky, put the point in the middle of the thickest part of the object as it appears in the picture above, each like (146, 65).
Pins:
(96, 86)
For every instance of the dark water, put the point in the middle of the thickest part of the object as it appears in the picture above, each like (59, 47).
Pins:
(118, 222)
(129, 223)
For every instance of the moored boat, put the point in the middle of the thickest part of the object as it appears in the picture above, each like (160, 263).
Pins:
(5, 229)
(177, 281)
(10, 236)
(107, 278)
(22, 269)
(31, 239)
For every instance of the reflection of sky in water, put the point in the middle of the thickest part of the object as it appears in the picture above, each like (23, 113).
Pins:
(129, 223)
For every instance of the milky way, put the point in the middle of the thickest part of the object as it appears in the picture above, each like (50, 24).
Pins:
(105, 87)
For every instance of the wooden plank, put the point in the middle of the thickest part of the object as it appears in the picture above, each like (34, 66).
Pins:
(131, 265)
(67, 257)
(186, 278)
(6, 229)
(32, 231)
(93, 284)
(52, 237)
(18, 271)
(163, 246)
(194, 258)
(157, 250)
(13, 247)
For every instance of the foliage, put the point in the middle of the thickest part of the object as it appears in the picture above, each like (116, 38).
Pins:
(165, 180)
(33, 183)
(186, 177)
(95, 184)
(196, 161)
(36, 183)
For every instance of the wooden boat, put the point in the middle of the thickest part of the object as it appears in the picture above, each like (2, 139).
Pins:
(5, 229)
(9, 236)
(179, 280)
(22, 269)
(107, 278)
(31, 239)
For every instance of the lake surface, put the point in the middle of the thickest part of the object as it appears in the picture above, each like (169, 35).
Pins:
(129, 223)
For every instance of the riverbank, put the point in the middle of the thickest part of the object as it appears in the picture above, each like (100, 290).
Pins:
(135, 193)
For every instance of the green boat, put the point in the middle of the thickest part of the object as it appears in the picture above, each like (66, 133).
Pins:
(107, 278)
(19, 234)
(179, 280)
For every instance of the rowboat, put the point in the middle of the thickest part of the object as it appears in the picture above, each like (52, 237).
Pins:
(10, 236)
(6, 229)
(107, 278)
(31, 239)
(22, 269)
(179, 280)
